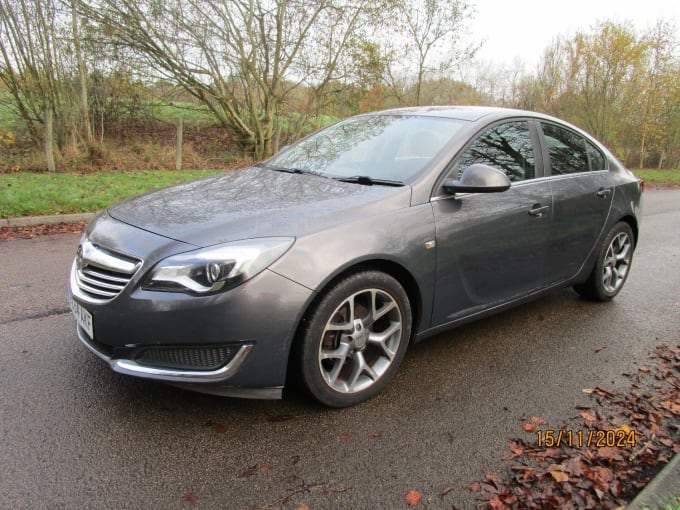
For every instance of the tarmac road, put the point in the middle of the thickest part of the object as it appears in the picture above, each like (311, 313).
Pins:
(73, 434)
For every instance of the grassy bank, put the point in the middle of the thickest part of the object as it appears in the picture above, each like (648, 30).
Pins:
(28, 194)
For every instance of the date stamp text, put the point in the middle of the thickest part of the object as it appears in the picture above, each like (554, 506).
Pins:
(552, 438)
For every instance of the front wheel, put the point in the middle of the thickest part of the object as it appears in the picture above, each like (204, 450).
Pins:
(612, 265)
(355, 339)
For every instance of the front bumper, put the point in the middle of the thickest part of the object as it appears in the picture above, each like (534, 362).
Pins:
(252, 326)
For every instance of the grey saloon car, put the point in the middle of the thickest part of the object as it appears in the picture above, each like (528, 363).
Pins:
(324, 263)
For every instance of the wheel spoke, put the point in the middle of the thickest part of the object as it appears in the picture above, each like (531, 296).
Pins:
(340, 356)
(339, 353)
(623, 252)
(376, 313)
(345, 326)
(381, 339)
(359, 367)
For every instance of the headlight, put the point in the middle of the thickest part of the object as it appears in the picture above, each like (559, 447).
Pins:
(216, 268)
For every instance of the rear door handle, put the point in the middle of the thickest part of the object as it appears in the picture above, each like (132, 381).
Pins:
(538, 211)
(604, 192)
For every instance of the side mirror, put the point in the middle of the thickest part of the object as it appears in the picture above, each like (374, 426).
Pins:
(478, 178)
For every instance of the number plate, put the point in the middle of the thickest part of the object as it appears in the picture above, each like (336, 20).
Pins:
(83, 317)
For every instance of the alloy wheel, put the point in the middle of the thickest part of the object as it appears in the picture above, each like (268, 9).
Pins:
(360, 341)
(616, 262)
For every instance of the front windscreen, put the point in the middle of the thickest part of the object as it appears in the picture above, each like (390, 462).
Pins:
(380, 147)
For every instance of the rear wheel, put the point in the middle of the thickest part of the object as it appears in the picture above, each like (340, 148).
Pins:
(612, 265)
(355, 339)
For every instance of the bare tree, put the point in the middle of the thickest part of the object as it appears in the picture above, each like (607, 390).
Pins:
(429, 40)
(31, 71)
(241, 58)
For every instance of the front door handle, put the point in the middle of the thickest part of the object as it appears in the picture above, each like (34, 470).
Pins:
(604, 192)
(538, 211)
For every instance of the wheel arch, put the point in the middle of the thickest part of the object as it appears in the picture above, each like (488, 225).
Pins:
(390, 267)
(633, 224)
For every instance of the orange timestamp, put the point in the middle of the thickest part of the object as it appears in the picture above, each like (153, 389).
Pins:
(598, 438)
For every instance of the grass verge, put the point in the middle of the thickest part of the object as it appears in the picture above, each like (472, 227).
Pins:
(660, 178)
(29, 194)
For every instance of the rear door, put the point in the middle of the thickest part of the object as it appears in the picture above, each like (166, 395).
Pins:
(491, 247)
(582, 196)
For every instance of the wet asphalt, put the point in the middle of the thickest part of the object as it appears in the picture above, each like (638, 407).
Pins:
(73, 434)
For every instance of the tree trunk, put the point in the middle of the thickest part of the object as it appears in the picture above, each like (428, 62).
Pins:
(49, 137)
(84, 104)
(643, 148)
(179, 144)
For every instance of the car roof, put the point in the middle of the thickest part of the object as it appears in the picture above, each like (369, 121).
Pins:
(468, 113)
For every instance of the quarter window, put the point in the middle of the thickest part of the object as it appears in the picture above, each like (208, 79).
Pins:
(507, 147)
(567, 150)
(597, 161)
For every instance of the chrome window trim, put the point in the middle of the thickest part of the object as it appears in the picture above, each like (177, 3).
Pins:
(516, 184)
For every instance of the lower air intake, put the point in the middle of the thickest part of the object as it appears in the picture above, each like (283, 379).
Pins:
(187, 358)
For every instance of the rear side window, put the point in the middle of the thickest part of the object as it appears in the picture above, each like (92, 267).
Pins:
(507, 147)
(597, 161)
(567, 150)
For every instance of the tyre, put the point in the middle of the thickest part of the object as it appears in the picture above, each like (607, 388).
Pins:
(355, 339)
(612, 265)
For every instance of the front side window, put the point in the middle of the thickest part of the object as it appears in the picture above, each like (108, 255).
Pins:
(507, 147)
(567, 150)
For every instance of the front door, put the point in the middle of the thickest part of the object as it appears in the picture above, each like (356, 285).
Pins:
(491, 247)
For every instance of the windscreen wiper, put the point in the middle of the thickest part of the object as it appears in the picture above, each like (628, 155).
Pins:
(300, 171)
(369, 181)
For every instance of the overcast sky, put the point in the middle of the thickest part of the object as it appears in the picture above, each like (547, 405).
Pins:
(523, 28)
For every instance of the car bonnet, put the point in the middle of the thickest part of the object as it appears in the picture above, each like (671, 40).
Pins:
(254, 202)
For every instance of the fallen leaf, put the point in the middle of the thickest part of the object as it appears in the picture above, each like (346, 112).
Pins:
(345, 436)
(190, 498)
(600, 348)
(560, 476)
(625, 428)
(644, 369)
(515, 448)
(674, 407)
(474, 487)
(538, 420)
(497, 504)
(375, 435)
(301, 506)
(608, 452)
(246, 472)
(265, 468)
(448, 489)
(589, 419)
(413, 497)
(529, 427)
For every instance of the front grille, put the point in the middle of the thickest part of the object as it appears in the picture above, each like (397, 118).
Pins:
(187, 358)
(100, 274)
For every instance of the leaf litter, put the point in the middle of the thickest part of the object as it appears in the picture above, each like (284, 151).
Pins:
(585, 475)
